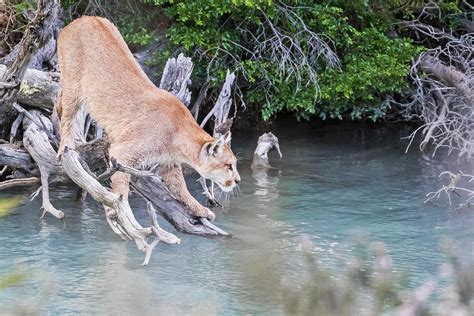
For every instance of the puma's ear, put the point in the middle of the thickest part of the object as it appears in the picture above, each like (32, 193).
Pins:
(215, 147)
(227, 137)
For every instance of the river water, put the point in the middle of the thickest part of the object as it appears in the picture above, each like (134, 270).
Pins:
(333, 183)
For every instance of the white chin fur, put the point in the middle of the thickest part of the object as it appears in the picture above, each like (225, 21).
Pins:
(225, 189)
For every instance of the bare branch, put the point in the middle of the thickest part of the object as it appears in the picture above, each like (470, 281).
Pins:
(453, 185)
(444, 99)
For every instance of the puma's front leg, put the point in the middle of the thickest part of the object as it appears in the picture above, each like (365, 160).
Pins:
(174, 180)
(68, 106)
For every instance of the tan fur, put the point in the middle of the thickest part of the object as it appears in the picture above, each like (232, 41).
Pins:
(145, 125)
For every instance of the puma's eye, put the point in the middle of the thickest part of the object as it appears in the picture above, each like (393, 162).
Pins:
(229, 166)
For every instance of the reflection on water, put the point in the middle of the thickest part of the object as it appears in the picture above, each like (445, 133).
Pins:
(331, 183)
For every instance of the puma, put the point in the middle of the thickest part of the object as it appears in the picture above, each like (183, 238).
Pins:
(145, 125)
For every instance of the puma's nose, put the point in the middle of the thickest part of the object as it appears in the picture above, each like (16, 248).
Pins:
(237, 180)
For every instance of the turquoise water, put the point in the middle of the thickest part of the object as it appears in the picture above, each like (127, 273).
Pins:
(332, 183)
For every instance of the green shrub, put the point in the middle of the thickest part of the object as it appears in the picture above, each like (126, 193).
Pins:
(372, 65)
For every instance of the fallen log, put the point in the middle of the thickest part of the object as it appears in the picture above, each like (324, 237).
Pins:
(12, 183)
(154, 191)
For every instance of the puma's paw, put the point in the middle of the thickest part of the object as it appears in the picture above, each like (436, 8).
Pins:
(205, 212)
(62, 148)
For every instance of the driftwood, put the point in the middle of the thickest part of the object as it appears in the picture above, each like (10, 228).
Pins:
(15, 156)
(265, 144)
(155, 192)
(37, 142)
(36, 34)
(8, 184)
(177, 76)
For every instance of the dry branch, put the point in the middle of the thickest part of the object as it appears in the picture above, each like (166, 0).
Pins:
(221, 110)
(453, 185)
(22, 182)
(37, 142)
(443, 97)
(449, 75)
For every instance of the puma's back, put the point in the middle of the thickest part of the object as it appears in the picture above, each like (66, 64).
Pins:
(97, 66)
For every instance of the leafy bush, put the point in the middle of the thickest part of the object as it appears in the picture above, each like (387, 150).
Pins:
(230, 34)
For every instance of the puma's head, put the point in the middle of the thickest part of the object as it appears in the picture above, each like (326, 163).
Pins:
(219, 164)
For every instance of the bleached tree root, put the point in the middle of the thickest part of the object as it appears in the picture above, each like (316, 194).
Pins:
(121, 217)
(265, 144)
(37, 142)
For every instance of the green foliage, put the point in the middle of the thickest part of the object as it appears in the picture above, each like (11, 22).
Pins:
(134, 29)
(24, 5)
(373, 65)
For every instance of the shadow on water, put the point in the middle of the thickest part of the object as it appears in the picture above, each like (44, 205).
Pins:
(332, 181)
